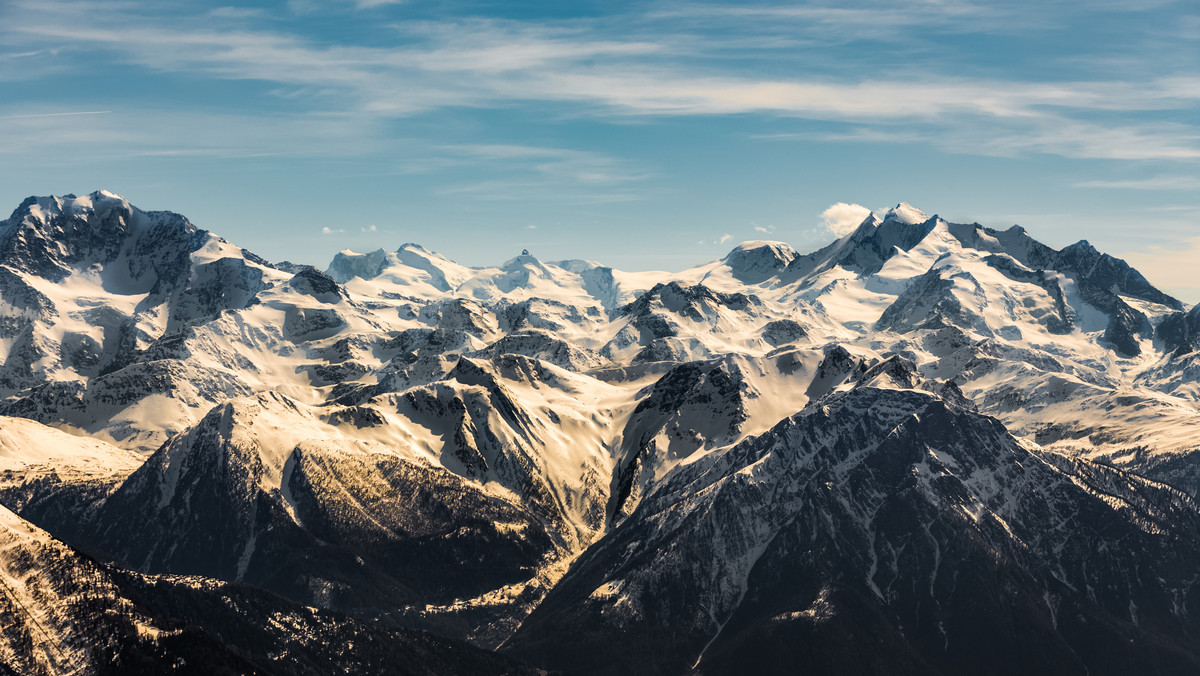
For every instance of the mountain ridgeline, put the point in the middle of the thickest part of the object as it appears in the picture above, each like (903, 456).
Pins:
(926, 448)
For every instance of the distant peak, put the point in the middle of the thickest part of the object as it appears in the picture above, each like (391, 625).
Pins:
(1081, 245)
(760, 252)
(752, 244)
(524, 259)
(755, 261)
(905, 213)
(348, 264)
(44, 208)
(415, 255)
(351, 253)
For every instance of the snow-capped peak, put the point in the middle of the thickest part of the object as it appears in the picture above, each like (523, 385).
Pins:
(43, 210)
(347, 265)
(905, 213)
(761, 243)
(754, 261)
(524, 259)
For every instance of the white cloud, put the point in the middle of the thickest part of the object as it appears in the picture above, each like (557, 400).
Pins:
(303, 6)
(765, 229)
(1066, 137)
(842, 218)
(724, 238)
(565, 164)
(370, 228)
(150, 132)
(70, 114)
(654, 69)
(331, 231)
(539, 172)
(532, 227)
(236, 12)
(486, 62)
(1155, 183)
(1012, 137)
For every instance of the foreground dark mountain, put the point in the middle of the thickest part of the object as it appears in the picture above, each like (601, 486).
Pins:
(65, 613)
(930, 447)
(884, 531)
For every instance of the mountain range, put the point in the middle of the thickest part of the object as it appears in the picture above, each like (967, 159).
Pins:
(926, 448)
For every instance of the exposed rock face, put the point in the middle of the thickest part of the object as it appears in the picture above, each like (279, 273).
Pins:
(783, 331)
(318, 285)
(756, 262)
(347, 265)
(1180, 332)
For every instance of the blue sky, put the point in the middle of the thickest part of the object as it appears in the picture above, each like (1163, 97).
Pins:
(645, 135)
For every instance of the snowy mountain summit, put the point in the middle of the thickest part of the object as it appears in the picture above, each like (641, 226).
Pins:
(905, 213)
(927, 447)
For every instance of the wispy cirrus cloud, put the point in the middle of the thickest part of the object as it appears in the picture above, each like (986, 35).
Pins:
(550, 173)
(573, 165)
(371, 4)
(28, 116)
(473, 63)
(1048, 134)
(1067, 137)
(326, 95)
(1152, 183)
(229, 12)
(869, 20)
(131, 132)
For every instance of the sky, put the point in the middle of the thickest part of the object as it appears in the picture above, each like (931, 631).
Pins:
(648, 135)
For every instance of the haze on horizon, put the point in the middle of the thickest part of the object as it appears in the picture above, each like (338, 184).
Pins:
(644, 135)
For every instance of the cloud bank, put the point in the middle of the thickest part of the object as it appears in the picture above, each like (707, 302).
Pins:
(842, 218)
